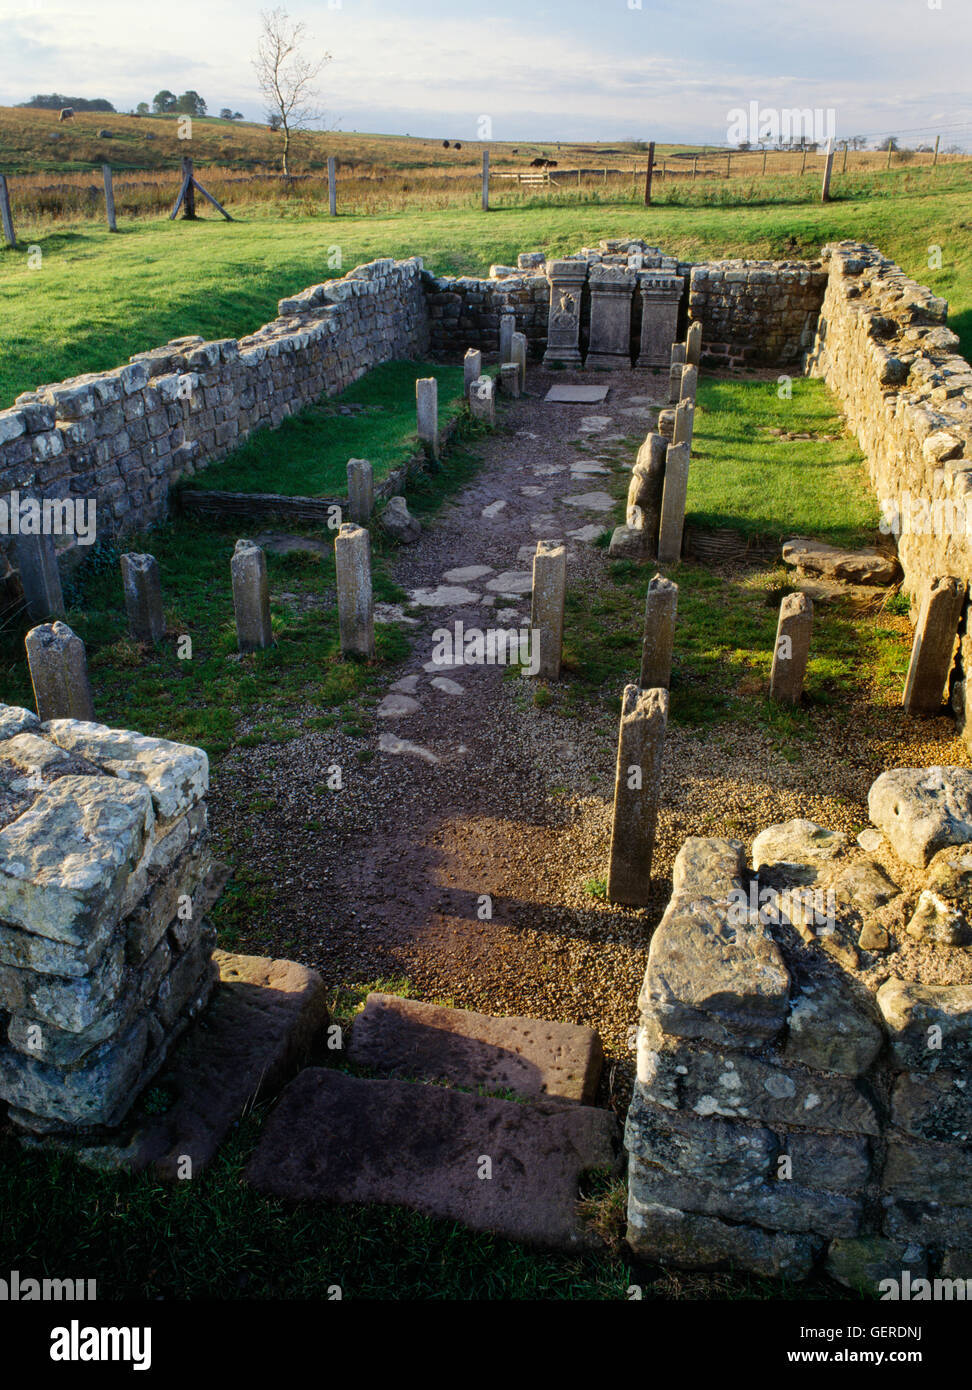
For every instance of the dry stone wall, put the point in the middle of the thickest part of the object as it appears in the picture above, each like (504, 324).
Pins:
(105, 949)
(756, 313)
(884, 348)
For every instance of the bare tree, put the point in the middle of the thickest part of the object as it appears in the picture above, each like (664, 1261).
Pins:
(287, 75)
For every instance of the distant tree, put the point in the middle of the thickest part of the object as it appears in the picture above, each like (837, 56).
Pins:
(228, 115)
(142, 109)
(286, 76)
(56, 102)
(164, 102)
(857, 142)
(190, 104)
(273, 121)
(888, 144)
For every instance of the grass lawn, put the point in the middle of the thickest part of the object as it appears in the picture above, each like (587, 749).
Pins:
(308, 454)
(96, 298)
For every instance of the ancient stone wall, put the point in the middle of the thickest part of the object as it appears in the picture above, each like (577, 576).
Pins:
(800, 1090)
(884, 349)
(105, 950)
(124, 437)
(756, 313)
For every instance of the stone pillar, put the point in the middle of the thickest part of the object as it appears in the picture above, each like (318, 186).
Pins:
(482, 400)
(673, 504)
(658, 642)
(547, 609)
(792, 648)
(361, 491)
(251, 597)
(563, 324)
(693, 344)
(427, 413)
(645, 491)
(675, 372)
(690, 382)
(931, 652)
(472, 369)
(352, 559)
(660, 297)
(519, 350)
(684, 423)
(509, 380)
(40, 578)
(143, 597)
(612, 287)
(59, 673)
(666, 422)
(637, 784)
(507, 327)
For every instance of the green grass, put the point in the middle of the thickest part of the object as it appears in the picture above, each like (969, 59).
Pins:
(98, 298)
(308, 454)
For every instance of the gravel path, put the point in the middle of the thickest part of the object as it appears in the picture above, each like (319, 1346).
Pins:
(466, 791)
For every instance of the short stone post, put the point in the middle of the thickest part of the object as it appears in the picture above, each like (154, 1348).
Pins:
(547, 609)
(59, 673)
(684, 423)
(637, 785)
(427, 412)
(36, 562)
(482, 400)
(792, 650)
(675, 382)
(666, 422)
(693, 344)
(673, 504)
(352, 559)
(251, 597)
(658, 642)
(931, 651)
(142, 588)
(643, 509)
(361, 491)
(507, 327)
(519, 350)
(690, 382)
(472, 369)
(678, 356)
(509, 380)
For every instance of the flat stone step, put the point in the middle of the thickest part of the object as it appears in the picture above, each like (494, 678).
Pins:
(845, 566)
(529, 1056)
(340, 1138)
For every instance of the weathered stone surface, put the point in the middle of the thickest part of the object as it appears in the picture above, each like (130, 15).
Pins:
(90, 1094)
(176, 774)
(846, 566)
(16, 720)
(708, 867)
(142, 588)
(251, 597)
(936, 1107)
(532, 1057)
(352, 559)
(736, 1086)
(862, 1262)
(361, 491)
(934, 642)
(713, 976)
(399, 523)
(832, 1028)
(928, 1172)
(641, 743)
(796, 851)
(59, 672)
(922, 810)
(333, 1137)
(681, 1143)
(929, 1223)
(930, 1026)
(65, 864)
(549, 585)
(863, 885)
(688, 1240)
(936, 919)
(658, 639)
(791, 650)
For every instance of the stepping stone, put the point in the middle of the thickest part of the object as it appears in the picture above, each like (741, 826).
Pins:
(466, 573)
(255, 1034)
(576, 395)
(339, 1138)
(592, 501)
(511, 582)
(443, 596)
(393, 706)
(587, 470)
(447, 686)
(530, 1056)
(388, 743)
(392, 613)
(494, 509)
(846, 566)
(543, 525)
(640, 412)
(406, 686)
(587, 533)
(533, 491)
(593, 424)
(508, 615)
(435, 668)
(547, 470)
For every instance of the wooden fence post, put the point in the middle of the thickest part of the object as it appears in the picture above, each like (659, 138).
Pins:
(828, 170)
(890, 152)
(485, 180)
(5, 213)
(648, 172)
(332, 185)
(938, 140)
(843, 167)
(804, 164)
(109, 198)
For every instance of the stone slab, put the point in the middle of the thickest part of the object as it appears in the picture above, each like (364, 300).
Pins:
(530, 1056)
(335, 1137)
(576, 395)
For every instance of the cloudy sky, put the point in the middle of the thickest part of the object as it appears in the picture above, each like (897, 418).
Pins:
(577, 69)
